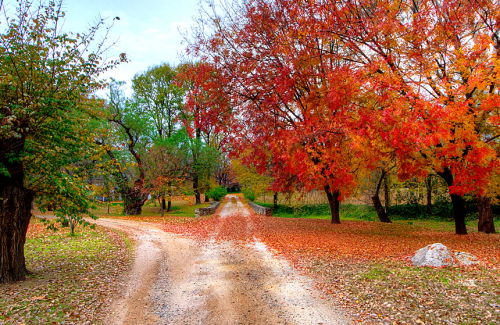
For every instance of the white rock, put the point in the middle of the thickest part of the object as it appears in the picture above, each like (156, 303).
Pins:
(436, 255)
(464, 258)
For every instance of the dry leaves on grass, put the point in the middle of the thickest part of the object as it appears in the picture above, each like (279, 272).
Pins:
(73, 278)
(361, 266)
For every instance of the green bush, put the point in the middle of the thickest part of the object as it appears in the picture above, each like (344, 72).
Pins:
(249, 194)
(216, 193)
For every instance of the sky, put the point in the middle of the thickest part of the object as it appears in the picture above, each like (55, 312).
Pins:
(148, 30)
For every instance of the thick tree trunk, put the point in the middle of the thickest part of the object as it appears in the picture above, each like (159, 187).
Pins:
(428, 182)
(458, 204)
(459, 214)
(486, 223)
(15, 214)
(333, 201)
(162, 206)
(72, 227)
(381, 213)
(133, 200)
(197, 193)
(387, 195)
(169, 206)
(206, 199)
(380, 209)
(275, 200)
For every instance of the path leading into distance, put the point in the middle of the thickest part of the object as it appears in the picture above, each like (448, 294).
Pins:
(178, 280)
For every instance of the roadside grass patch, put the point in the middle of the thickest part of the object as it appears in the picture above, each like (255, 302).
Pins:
(396, 293)
(363, 266)
(73, 277)
(180, 208)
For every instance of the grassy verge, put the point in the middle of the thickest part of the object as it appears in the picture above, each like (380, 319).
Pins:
(395, 293)
(365, 213)
(72, 280)
(180, 208)
(363, 267)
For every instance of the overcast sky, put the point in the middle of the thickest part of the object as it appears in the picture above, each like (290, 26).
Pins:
(147, 30)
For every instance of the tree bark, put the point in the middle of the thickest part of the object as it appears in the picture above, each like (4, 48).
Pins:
(72, 227)
(428, 182)
(206, 199)
(162, 206)
(196, 177)
(197, 193)
(458, 204)
(169, 206)
(387, 195)
(133, 199)
(15, 214)
(486, 223)
(333, 201)
(275, 200)
(380, 209)
(381, 213)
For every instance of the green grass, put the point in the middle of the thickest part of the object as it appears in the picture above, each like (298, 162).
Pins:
(180, 208)
(71, 280)
(366, 213)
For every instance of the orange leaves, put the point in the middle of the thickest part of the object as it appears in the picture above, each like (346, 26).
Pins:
(351, 240)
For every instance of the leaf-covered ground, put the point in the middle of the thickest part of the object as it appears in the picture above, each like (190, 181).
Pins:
(72, 280)
(363, 266)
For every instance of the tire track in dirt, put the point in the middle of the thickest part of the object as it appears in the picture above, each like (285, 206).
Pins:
(177, 279)
(224, 282)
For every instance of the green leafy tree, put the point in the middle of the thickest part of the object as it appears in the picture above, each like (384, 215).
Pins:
(160, 99)
(127, 149)
(167, 165)
(46, 81)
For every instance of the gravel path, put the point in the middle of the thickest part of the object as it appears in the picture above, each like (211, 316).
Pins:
(178, 280)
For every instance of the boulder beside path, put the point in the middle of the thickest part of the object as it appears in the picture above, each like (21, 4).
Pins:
(438, 255)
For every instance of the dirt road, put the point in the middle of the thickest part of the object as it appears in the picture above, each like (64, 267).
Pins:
(178, 280)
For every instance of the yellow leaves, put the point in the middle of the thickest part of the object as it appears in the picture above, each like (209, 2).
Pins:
(249, 178)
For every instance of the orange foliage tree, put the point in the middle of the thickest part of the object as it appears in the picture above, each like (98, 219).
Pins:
(326, 90)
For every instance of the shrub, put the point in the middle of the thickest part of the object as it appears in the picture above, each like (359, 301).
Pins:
(249, 194)
(216, 193)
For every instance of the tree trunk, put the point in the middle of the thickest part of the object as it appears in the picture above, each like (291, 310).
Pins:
(196, 191)
(428, 182)
(206, 199)
(458, 204)
(133, 200)
(162, 206)
(15, 214)
(486, 223)
(275, 200)
(381, 213)
(386, 195)
(380, 209)
(333, 201)
(72, 227)
(169, 206)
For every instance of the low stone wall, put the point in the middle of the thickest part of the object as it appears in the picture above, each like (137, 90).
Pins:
(260, 209)
(207, 211)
